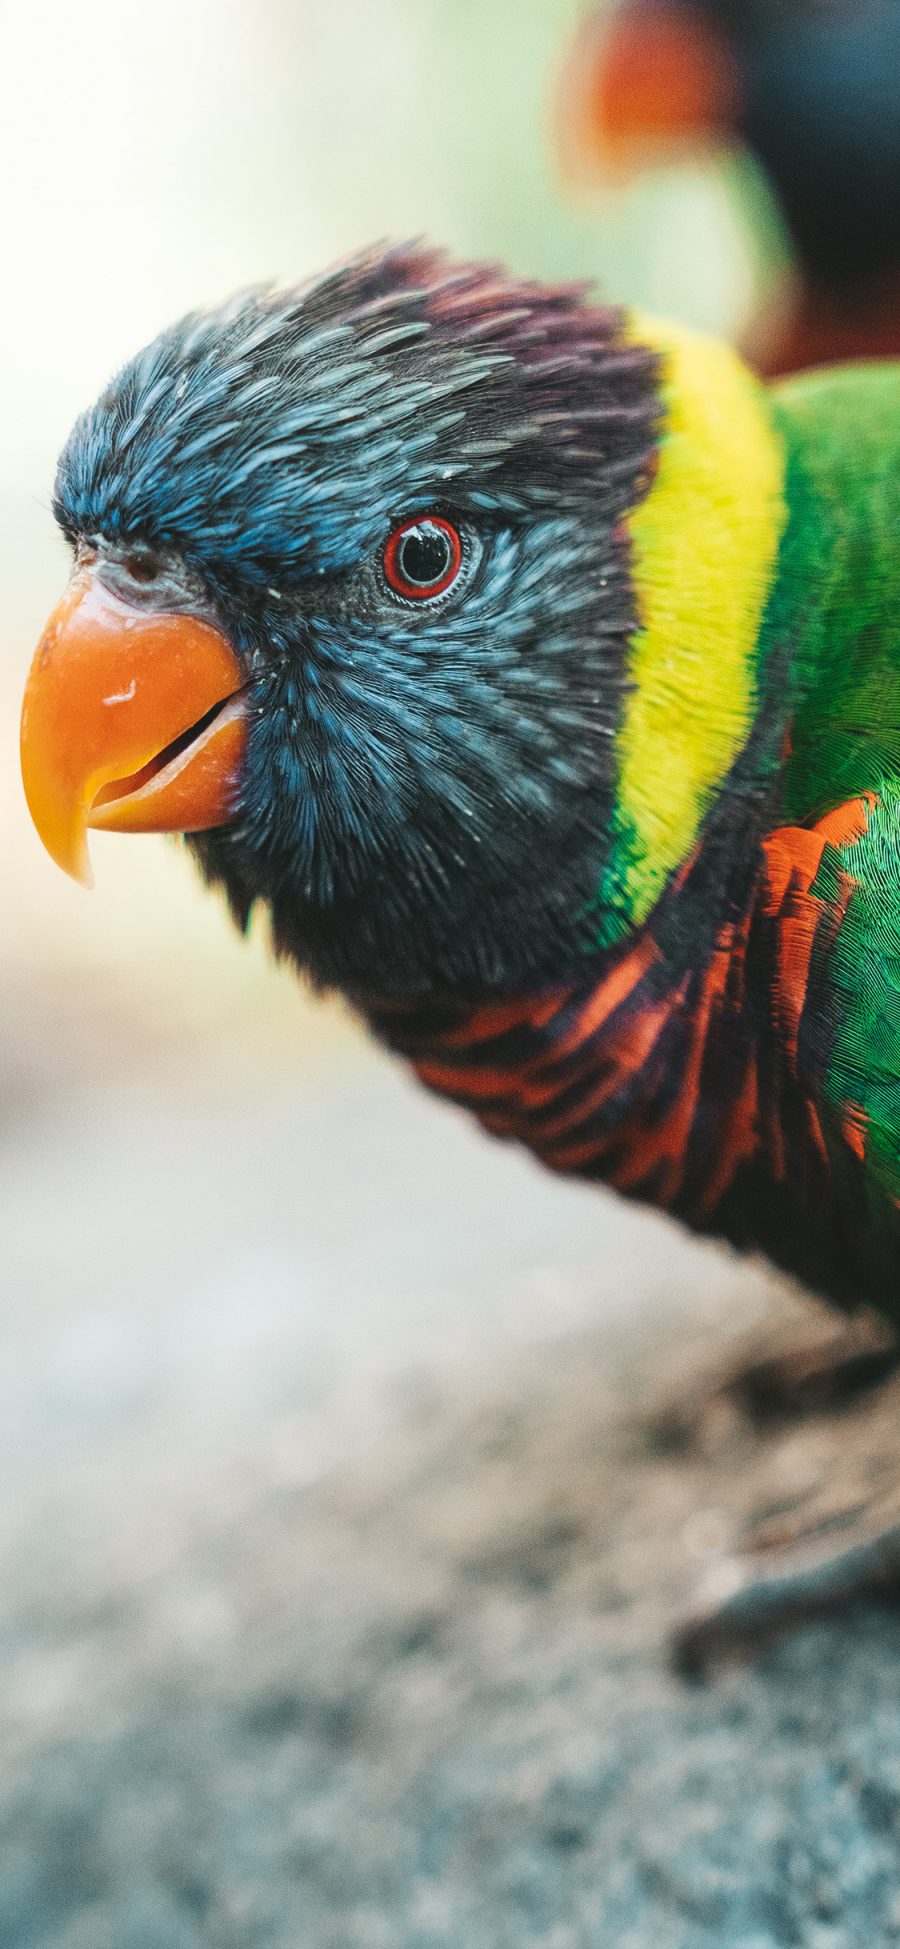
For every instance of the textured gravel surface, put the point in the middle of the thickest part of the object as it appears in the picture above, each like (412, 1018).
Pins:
(337, 1559)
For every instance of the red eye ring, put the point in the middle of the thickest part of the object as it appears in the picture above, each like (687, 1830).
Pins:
(431, 545)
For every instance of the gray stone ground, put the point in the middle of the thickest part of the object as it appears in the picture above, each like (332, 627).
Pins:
(337, 1562)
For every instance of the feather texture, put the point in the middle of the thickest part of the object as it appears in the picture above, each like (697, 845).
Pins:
(606, 837)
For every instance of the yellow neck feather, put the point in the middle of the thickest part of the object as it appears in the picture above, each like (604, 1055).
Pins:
(704, 550)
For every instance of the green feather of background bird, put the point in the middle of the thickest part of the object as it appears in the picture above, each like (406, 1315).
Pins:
(566, 670)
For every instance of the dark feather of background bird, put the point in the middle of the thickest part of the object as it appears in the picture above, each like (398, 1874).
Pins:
(812, 88)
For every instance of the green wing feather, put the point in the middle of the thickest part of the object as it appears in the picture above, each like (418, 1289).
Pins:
(863, 1068)
(834, 624)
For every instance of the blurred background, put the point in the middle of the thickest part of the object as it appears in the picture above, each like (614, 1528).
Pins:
(310, 1399)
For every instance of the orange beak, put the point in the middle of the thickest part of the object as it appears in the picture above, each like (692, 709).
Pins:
(132, 722)
(650, 79)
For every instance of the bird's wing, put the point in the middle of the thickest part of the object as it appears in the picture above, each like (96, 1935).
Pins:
(856, 1039)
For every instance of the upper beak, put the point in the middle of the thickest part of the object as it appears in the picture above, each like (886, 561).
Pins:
(649, 78)
(133, 721)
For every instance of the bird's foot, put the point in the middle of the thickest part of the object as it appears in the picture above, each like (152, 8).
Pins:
(790, 1572)
(784, 1381)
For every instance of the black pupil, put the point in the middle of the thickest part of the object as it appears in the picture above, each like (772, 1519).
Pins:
(141, 568)
(424, 555)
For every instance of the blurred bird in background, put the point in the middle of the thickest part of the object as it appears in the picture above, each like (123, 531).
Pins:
(538, 671)
(812, 88)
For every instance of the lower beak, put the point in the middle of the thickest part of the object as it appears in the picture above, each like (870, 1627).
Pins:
(133, 721)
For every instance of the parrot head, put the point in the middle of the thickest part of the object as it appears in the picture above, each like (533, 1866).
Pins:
(353, 605)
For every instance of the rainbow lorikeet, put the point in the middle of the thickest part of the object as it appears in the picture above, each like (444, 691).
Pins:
(539, 672)
(812, 87)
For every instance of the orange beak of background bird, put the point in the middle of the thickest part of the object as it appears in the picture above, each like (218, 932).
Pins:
(640, 82)
(133, 721)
